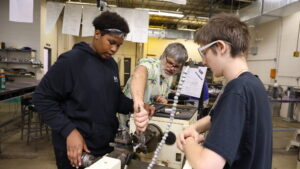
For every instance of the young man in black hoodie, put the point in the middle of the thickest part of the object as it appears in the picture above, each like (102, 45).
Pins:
(80, 94)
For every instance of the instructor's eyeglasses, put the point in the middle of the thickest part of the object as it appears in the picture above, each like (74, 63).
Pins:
(171, 64)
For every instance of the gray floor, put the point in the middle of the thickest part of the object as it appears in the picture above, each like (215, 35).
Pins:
(39, 155)
(283, 159)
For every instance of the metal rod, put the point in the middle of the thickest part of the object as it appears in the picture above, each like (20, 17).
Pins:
(298, 37)
(284, 129)
(9, 121)
(271, 59)
(81, 3)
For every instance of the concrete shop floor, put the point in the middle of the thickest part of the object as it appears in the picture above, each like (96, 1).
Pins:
(16, 154)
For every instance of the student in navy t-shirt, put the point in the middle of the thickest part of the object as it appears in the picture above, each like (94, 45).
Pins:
(239, 125)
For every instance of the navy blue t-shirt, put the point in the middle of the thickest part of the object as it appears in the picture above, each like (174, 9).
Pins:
(241, 130)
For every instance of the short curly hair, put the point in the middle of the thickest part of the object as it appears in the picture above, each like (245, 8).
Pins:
(110, 20)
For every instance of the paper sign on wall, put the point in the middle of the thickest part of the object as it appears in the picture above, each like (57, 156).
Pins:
(72, 19)
(21, 11)
(53, 11)
(138, 21)
(89, 13)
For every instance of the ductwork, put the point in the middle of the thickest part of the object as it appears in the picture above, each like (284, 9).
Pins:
(263, 11)
(171, 34)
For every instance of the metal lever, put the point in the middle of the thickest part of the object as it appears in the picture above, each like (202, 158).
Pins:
(127, 160)
(141, 137)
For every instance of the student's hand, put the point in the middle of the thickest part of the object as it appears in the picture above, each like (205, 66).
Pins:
(75, 145)
(141, 117)
(161, 99)
(189, 132)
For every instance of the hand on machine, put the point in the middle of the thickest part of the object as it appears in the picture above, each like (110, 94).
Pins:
(126, 145)
(140, 135)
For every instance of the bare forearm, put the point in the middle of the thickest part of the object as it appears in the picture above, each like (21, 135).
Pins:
(203, 124)
(138, 83)
(200, 157)
(192, 152)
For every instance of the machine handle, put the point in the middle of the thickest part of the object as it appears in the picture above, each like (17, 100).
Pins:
(141, 136)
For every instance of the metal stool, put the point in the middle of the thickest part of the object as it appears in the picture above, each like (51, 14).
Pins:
(25, 102)
(31, 121)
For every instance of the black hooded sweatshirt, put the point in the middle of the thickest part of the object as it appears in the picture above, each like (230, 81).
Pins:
(82, 91)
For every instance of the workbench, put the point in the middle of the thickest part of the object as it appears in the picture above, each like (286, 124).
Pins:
(291, 102)
(17, 88)
(13, 90)
(135, 164)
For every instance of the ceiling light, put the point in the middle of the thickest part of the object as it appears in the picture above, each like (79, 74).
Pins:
(201, 17)
(160, 13)
(186, 29)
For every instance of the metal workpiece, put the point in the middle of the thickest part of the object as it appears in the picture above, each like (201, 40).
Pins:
(127, 145)
(87, 159)
(135, 143)
(123, 147)
(151, 138)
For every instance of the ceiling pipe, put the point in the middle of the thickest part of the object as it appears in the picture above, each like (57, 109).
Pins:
(263, 11)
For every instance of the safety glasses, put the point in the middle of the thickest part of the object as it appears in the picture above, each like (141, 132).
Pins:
(202, 49)
(116, 32)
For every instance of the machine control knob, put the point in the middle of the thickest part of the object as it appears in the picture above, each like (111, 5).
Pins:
(171, 139)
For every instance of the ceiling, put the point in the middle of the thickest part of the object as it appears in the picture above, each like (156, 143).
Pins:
(192, 10)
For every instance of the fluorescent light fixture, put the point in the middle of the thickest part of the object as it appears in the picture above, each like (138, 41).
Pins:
(186, 29)
(160, 13)
(201, 17)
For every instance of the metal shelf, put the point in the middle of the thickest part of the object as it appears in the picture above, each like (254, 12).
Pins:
(10, 62)
(27, 63)
(17, 50)
(13, 75)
